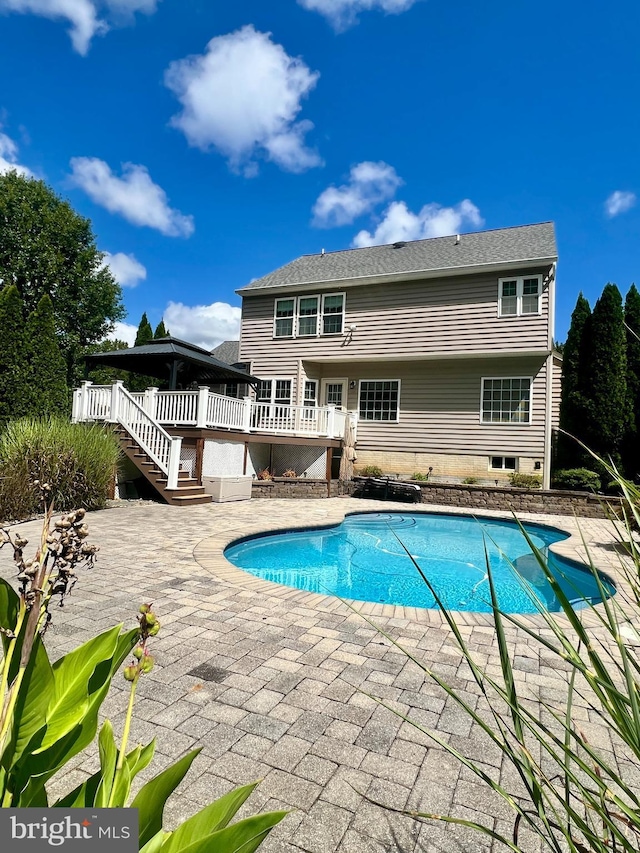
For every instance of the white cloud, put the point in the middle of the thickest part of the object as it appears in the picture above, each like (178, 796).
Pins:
(242, 96)
(619, 202)
(400, 223)
(344, 13)
(134, 196)
(126, 269)
(9, 157)
(203, 325)
(82, 15)
(369, 184)
(124, 332)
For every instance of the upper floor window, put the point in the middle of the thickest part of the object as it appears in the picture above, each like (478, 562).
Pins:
(309, 316)
(310, 392)
(518, 296)
(379, 400)
(506, 401)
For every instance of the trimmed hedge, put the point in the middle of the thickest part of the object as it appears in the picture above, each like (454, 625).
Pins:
(576, 480)
(525, 481)
(79, 462)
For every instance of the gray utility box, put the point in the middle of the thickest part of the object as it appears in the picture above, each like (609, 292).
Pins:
(228, 488)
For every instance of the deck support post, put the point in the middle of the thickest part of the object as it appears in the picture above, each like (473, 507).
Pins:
(203, 402)
(150, 404)
(115, 402)
(246, 415)
(83, 414)
(174, 462)
(331, 421)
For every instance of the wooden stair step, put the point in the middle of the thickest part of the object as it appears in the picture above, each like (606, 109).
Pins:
(191, 500)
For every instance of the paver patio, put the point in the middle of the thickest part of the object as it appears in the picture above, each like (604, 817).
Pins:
(268, 680)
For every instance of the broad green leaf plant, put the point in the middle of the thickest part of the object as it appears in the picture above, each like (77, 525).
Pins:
(49, 712)
(565, 793)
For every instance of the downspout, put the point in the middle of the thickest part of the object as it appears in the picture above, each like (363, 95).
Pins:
(546, 466)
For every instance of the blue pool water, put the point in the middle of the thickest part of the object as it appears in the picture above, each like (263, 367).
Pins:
(362, 559)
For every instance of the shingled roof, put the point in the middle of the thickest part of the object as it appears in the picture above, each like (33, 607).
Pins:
(506, 246)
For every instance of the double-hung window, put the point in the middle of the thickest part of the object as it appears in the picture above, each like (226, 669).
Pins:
(284, 319)
(379, 400)
(506, 400)
(309, 316)
(274, 391)
(519, 296)
(332, 313)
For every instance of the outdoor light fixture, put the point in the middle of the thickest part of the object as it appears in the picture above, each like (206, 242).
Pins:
(352, 384)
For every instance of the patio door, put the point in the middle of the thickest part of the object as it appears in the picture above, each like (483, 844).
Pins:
(333, 392)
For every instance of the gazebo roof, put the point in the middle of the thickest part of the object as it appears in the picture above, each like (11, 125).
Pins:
(172, 360)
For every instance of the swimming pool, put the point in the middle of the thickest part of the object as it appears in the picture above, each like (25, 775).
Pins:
(363, 559)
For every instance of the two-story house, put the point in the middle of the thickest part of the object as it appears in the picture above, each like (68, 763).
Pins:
(442, 346)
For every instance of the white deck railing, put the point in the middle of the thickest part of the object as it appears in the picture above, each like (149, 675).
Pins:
(204, 409)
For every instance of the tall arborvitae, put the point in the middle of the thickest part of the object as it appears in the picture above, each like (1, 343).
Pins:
(13, 379)
(161, 331)
(144, 333)
(572, 403)
(47, 392)
(630, 449)
(604, 378)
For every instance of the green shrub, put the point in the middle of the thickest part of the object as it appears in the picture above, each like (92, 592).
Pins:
(78, 460)
(525, 481)
(470, 481)
(371, 471)
(576, 479)
(418, 475)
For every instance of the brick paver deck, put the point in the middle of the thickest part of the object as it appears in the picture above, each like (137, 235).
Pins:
(268, 681)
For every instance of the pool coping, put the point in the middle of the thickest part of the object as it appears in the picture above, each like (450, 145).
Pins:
(209, 554)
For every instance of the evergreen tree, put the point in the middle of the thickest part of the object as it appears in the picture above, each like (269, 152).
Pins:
(144, 333)
(47, 391)
(46, 247)
(572, 403)
(13, 379)
(161, 331)
(630, 450)
(604, 378)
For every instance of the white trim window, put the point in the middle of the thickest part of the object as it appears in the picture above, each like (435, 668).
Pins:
(332, 313)
(284, 318)
(310, 392)
(506, 400)
(309, 316)
(277, 391)
(379, 400)
(503, 463)
(519, 296)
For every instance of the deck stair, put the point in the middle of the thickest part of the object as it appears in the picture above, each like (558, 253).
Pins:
(188, 491)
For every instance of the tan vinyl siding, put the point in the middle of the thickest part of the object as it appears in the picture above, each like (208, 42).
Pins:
(440, 407)
(406, 319)
(556, 392)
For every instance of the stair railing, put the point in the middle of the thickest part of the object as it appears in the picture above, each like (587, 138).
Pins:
(116, 405)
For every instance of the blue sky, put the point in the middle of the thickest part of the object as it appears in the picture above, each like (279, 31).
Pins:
(210, 143)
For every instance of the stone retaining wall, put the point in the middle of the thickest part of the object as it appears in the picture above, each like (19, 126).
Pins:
(506, 498)
(287, 487)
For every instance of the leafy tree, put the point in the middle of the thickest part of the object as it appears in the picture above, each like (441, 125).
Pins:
(572, 401)
(631, 451)
(46, 387)
(161, 331)
(604, 378)
(46, 247)
(13, 379)
(144, 333)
